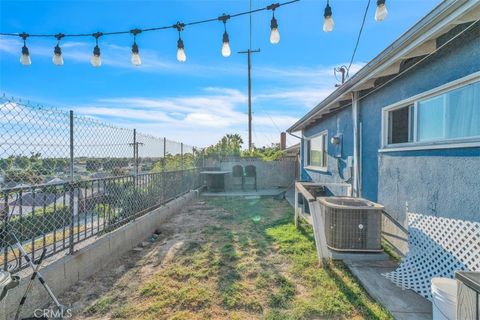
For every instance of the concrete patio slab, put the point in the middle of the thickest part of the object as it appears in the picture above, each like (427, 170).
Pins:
(403, 304)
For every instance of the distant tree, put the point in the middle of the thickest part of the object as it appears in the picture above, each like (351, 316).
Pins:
(6, 164)
(229, 145)
(35, 156)
(39, 168)
(61, 164)
(22, 176)
(119, 172)
(55, 164)
(115, 163)
(93, 165)
(22, 162)
(265, 153)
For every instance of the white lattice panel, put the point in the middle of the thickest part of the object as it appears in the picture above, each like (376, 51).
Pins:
(437, 248)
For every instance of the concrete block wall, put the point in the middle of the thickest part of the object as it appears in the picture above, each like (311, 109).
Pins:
(63, 273)
(270, 174)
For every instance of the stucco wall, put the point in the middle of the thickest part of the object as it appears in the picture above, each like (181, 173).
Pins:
(439, 182)
(339, 122)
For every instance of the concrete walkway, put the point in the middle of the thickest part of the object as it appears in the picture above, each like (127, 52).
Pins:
(403, 304)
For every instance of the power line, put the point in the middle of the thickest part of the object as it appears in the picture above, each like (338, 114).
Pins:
(415, 64)
(359, 36)
(175, 26)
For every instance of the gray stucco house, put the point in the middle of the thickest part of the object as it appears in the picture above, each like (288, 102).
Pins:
(404, 131)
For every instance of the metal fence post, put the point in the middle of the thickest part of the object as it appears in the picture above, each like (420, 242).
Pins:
(71, 186)
(164, 175)
(71, 146)
(182, 168)
(5, 237)
(135, 157)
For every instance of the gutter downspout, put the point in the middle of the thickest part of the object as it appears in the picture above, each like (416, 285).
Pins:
(355, 192)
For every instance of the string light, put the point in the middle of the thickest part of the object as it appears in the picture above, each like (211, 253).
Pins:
(181, 56)
(381, 11)
(226, 52)
(328, 21)
(135, 58)
(274, 33)
(57, 51)
(25, 57)
(380, 14)
(96, 61)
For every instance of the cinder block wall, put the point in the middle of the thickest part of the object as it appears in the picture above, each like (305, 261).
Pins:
(63, 273)
(270, 174)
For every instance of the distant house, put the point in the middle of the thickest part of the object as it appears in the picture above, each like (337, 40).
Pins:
(404, 131)
(293, 150)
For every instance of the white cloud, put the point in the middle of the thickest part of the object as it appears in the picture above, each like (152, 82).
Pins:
(198, 119)
(202, 118)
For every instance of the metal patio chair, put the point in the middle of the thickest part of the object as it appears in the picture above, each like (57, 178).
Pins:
(250, 177)
(237, 177)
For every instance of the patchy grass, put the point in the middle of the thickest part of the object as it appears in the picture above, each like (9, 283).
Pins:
(250, 262)
(330, 291)
(101, 306)
(390, 250)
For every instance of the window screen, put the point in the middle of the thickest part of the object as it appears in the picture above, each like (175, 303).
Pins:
(400, 125)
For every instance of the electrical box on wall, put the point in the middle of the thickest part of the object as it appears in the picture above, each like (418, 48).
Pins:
(350, 162)
(337, 141)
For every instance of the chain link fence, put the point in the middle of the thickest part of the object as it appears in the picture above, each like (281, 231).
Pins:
(66, 178)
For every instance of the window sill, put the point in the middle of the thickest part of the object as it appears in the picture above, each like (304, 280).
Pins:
(314, 168)
(431, 146)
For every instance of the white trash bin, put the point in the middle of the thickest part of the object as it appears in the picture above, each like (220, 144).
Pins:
(444, 299)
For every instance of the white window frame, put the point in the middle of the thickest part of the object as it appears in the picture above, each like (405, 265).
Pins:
(426, 145)
(307, 156)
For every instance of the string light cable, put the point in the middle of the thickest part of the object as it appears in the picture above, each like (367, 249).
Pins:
(415, 64)
(359, 36)
(95, 60)
(274, 6)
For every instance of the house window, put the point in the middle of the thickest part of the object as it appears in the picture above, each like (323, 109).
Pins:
(400, 125)
(317, 151)
(452, 113)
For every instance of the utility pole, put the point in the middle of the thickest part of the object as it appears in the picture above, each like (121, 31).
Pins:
(249, 52)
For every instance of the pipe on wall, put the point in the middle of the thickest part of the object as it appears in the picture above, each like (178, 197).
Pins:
(355, 192)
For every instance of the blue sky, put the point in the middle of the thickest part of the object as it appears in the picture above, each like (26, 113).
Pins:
(199, 101)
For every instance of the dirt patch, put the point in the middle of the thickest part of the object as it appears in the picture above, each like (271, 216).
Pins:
(127, 274)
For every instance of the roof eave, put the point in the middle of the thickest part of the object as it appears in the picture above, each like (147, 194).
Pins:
(415, 36)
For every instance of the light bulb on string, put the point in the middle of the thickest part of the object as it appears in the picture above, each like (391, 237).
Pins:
(328, 21)
(25, 57)
(57, 51)
(226, 51)
(135, 58)
(181, 55)
(96, 61)
(381, 11)
(274, 33)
